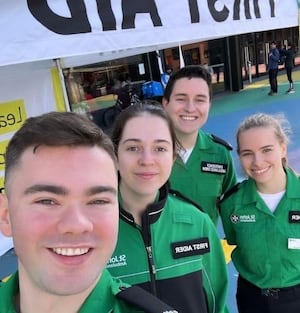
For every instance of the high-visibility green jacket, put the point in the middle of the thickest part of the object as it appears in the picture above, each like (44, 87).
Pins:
(109, 296)
(267, 252)
(208, 173)
(174, 254)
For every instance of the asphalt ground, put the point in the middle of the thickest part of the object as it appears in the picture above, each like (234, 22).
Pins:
(227, 112)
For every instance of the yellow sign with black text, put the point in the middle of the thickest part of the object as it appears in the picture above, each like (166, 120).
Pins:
(12, 117)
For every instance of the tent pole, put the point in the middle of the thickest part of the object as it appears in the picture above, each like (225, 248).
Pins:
(181, 58)
(63, 84)
(149, 66)
(158, 56)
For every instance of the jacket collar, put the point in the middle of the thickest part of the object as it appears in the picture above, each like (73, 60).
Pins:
(292, 191)
(152, 211)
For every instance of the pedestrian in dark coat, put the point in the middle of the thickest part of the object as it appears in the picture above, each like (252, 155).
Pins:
(289, 65)
(273, 68)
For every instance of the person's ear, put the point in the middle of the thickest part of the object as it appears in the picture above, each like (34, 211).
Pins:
(175, 155)
(5, 224)
(284, 150)
(164, 102)
(117, 161)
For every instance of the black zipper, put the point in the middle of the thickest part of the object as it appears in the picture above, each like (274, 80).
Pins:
(146, 234)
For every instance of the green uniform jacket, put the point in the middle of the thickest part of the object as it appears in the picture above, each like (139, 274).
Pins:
(208, 173)
(101, 300)
(262, 255)
(173, 254)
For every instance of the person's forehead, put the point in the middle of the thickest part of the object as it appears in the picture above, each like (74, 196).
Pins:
(139, 126)
(187, 85)
(259, 132)
(40, 157)
(43, 151)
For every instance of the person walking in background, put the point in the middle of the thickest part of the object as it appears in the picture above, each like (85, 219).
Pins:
(261, 217)
(61, 208)
(204, 169)
(217, 66)
(289, 65)
(273, 68)
(165, 245)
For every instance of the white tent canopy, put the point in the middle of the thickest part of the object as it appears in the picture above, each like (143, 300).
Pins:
(88, 31)
(33, 33)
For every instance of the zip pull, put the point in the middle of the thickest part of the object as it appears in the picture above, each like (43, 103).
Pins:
(150, 257)
(152, 270)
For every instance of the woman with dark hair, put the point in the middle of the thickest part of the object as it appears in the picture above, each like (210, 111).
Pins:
(165, 244)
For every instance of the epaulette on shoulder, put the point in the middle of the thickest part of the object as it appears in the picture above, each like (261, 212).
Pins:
(182, 197)
(4, 280)
(144, 300)
(221, 141)
(229, 192)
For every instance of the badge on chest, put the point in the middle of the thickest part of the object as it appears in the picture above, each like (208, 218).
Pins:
(214, 168)
(190, 247)
(294, 217)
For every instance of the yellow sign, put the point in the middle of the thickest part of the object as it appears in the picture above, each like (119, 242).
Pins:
(12, 116)
(3, 145)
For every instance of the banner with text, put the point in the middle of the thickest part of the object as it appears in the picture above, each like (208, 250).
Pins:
(47, 29)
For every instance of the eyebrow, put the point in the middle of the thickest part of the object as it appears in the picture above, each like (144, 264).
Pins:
(58, 190)
(100, 189)
(263, 147)
(199, 95)
(244, 150)
(139, 140)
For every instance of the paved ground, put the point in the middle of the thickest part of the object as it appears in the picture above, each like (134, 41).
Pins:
(229, 109)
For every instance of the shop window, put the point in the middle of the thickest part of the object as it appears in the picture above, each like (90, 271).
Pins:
(192, 56)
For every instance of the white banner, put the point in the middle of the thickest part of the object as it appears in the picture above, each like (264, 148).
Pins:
(26, 90)
(40, 29)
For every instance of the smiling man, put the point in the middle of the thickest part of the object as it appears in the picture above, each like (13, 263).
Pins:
(204, 170)
(61, 208)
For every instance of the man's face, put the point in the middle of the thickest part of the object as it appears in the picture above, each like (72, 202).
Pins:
(63, 215)
(189, 105)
